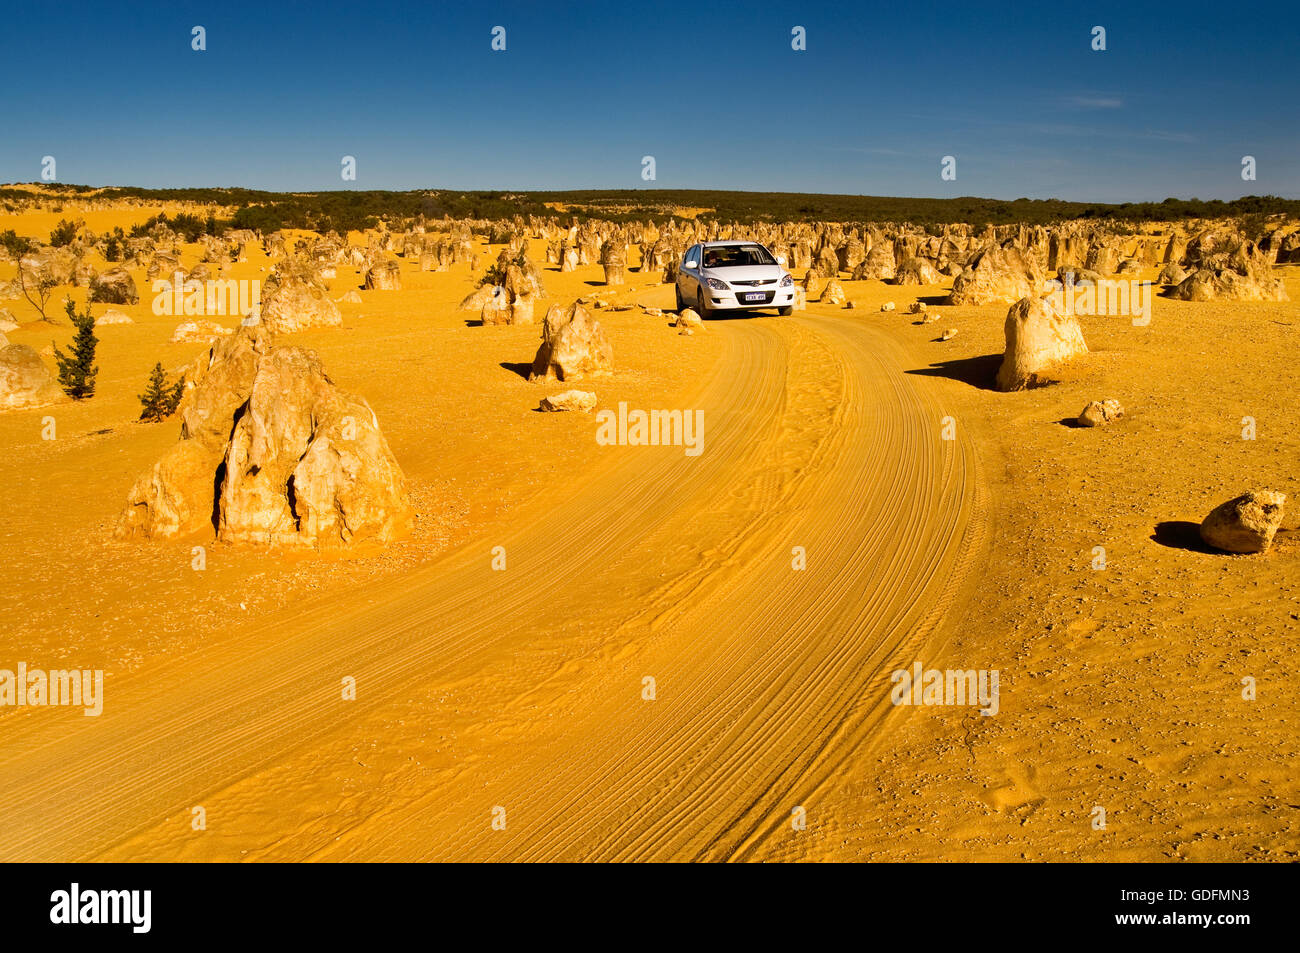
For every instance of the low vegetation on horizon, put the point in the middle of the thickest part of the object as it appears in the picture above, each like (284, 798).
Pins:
(357, 210)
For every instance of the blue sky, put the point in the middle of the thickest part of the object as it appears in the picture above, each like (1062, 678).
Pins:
(713, 91)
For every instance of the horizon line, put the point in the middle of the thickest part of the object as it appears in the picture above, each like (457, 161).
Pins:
(550, 191)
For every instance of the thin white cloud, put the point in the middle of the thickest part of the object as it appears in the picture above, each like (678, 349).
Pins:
(1096, 102)
(868, 150)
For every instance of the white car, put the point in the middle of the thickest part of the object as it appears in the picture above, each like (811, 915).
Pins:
(733, 276)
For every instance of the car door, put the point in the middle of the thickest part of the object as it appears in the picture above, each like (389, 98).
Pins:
(688, 279)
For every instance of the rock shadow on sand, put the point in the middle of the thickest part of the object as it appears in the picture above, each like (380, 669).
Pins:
(1183, 534)
(981, 372)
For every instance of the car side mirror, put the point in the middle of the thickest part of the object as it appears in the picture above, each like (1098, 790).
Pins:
(780, 260)
(691, 264)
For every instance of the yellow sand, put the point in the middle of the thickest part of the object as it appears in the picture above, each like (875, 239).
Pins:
(523, 689)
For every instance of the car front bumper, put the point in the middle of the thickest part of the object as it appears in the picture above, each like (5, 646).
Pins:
(734, 299)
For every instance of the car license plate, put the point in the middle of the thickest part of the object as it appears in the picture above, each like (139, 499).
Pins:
(755, 296)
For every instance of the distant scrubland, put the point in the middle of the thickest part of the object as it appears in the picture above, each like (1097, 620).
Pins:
(348, 210)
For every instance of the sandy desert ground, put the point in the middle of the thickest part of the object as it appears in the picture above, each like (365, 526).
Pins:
(522, 688)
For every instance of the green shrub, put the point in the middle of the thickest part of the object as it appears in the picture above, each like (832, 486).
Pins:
(15, 245)
(160, 398)
(64, 233)
(77, 369)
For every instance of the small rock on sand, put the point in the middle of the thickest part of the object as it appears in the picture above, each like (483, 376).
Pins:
(1246, 524)
(1100, 412)
(580, 400)
(689, 321)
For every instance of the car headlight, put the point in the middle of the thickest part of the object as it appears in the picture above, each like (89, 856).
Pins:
(717, 284)
(787, 281)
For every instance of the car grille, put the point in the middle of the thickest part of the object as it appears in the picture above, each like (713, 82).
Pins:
(755, 284)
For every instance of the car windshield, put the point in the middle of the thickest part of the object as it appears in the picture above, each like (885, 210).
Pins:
(728, 256)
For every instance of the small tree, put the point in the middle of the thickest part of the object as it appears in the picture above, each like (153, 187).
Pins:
(77, 370)
(160, 399)
(37, 287)
(34, 284)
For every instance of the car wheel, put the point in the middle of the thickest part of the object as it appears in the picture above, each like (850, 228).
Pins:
(785, 312)
(700, 306)
(681, 302)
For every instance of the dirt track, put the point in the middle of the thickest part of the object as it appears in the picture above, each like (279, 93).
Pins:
(523, 688)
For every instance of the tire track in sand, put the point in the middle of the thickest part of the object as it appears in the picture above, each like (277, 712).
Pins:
(770, 679)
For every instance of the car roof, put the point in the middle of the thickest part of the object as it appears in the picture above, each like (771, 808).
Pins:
(721, 244)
